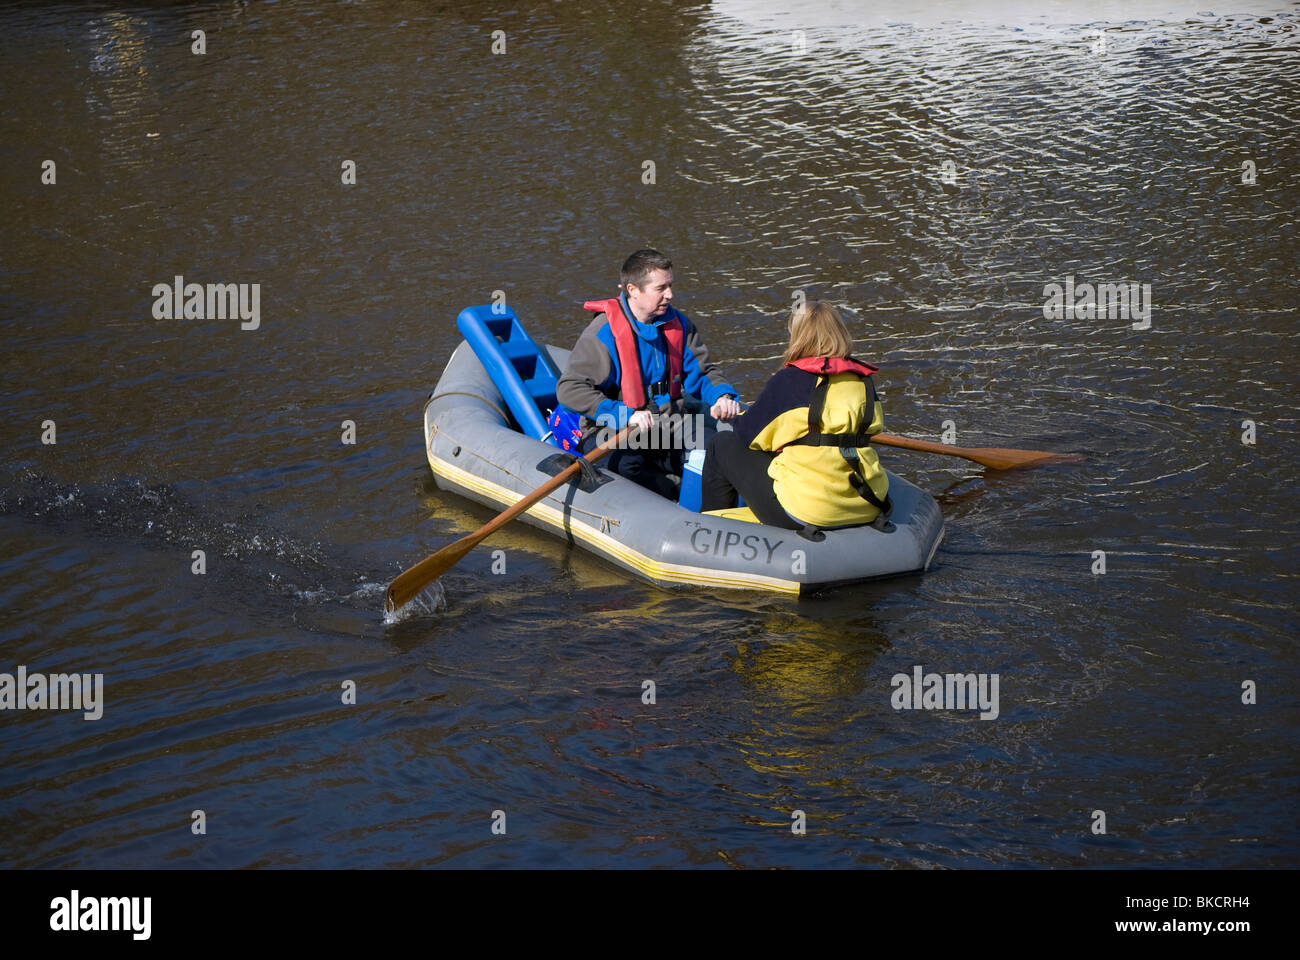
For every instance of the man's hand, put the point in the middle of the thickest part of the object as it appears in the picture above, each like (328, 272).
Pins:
(725, 409)
(642, 420)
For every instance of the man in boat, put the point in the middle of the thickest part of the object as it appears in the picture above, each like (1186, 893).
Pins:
(640, 358)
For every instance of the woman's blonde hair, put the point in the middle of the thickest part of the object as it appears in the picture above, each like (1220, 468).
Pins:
(816, 330)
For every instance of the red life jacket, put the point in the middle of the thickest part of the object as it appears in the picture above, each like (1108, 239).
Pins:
(629, 361)
(825, 366)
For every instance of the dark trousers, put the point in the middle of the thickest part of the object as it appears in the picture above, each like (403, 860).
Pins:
(646, 468)
(730, 467)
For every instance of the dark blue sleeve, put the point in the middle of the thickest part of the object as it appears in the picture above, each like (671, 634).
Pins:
(788, 389)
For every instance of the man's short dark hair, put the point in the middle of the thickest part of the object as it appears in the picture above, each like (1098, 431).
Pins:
(638, 267)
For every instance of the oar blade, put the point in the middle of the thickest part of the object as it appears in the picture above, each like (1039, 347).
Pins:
(1003, 458)
(995, 458)
(410, 583)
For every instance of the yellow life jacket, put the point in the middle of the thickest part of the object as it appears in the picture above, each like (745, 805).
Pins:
(826, 473)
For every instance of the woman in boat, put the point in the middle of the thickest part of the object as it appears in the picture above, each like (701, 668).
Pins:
(801, 455)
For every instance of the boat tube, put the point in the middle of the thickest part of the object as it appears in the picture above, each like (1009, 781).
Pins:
(485, 436)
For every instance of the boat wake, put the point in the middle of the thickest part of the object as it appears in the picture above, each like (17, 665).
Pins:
(239, 547)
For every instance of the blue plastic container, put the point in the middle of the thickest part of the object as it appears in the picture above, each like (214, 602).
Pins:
(691, 495)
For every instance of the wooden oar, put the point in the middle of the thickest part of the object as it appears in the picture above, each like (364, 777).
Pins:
(996, 458)
(410, 582)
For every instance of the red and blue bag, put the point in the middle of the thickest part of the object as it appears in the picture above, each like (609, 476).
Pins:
(566, 428)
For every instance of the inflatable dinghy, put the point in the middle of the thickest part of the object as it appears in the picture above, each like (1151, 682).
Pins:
(486, 438)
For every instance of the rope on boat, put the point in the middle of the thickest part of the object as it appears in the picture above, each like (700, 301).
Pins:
(434, 430)
(465, 393)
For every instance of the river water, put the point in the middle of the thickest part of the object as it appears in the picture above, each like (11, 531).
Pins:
(933, 169)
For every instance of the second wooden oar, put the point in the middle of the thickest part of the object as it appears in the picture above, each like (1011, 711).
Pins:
(410, 582)
(996, 458)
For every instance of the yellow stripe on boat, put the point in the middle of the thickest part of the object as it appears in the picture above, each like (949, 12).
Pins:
(606, 544)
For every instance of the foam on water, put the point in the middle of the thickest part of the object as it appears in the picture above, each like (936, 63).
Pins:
(166, 517)
(426, 603)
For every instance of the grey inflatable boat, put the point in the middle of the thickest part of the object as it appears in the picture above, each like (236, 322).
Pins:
(476, 448)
